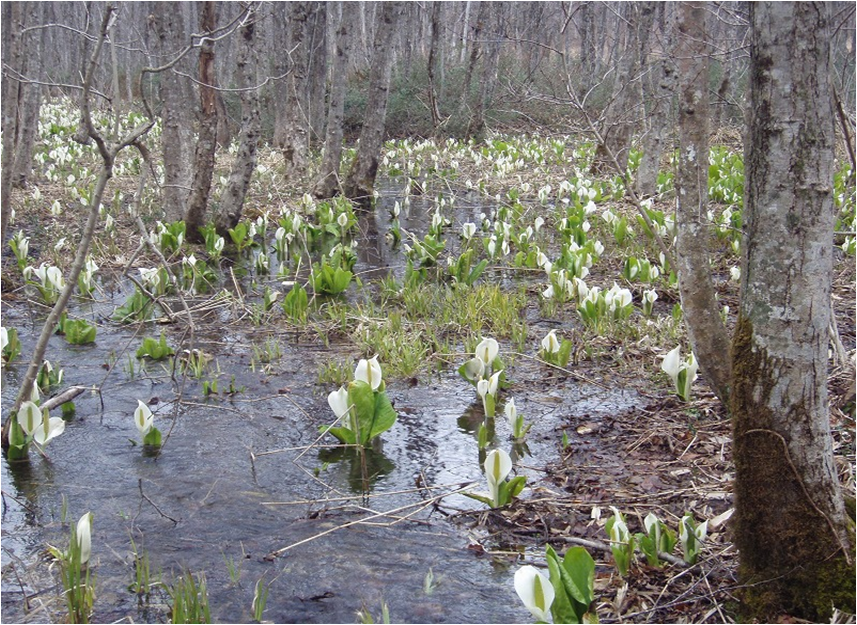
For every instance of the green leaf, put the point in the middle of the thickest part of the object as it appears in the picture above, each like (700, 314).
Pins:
(344, 435)
(362, 398)
(482, 498)
(385, 415)
(580, 583)
(561, 608)
(153, 438)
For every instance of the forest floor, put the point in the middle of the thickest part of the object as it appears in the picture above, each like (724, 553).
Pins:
(662, 455)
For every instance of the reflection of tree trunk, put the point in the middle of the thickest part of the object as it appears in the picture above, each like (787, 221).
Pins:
(12, 24)
(232, 201)
(206, 141)
(360, 182)
(328, 183)
(619, 117)
(794, 537)
(706, 332)
(660, 93)
(175, 122)
(296, 132)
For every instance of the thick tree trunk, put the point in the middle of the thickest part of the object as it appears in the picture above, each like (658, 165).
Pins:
(295, 136)
(706, 331)
(317, 73)
(29, 95)
(12, 23)
(328, 182)
(795, 540)
(206, 143)
(360, 182)
(175, 118)
(232, 201)
(660, 117)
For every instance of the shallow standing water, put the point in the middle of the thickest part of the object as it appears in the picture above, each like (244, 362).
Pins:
(232, 486)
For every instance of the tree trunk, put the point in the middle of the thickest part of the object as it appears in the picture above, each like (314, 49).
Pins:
(295, 135)
(360, 182)
(175, 119)
(232, 201)
(206, 143)
(795, 540)
(432, 61)
(29, 95)
(12, 39)
(660, 116)
(622, 111)
(317, 73)
(707, 333)
(490, 61)
(328, 183)
(475, 48)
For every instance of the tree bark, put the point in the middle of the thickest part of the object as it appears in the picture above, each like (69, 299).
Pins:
(317, 73)
(175, 119)
(706, 331)
(12, 39)
(295, 136)
(328, 182)
(29, 95)
(432, 61)
(490, 61)
(795, 540)
(206, 143)
(232, 201)
(360, 182)
(660, 115)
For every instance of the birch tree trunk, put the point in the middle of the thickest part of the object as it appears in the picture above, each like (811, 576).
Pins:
(795, 540)
(232, 201)
(360, 182)
(706, 331)
(328, 182)
(206, 142)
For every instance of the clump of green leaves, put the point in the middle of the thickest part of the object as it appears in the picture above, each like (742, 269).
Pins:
(10, 346)
(156, 349)
(501, 491)
(621, 542)
(658, 538)
(190, 599)
(78, 585)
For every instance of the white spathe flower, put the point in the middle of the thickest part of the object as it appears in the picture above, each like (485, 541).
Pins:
(487, 350)
(550, 343)
(619, 531)
(369, 371)
(735, 273)
(538, 223)
(535, 591)
(548, 292)
(29, 416)
(143, 418)
(4, 338)
(474, 369)
(49, 429)
(497, 465)
(342, 220)
(84, 537)
(468, 230)
(338, 402)
(511, 412)
(672, 364)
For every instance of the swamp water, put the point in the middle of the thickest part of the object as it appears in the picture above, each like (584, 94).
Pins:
(235, 492)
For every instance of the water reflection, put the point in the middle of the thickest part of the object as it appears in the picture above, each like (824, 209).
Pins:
(364, 467)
